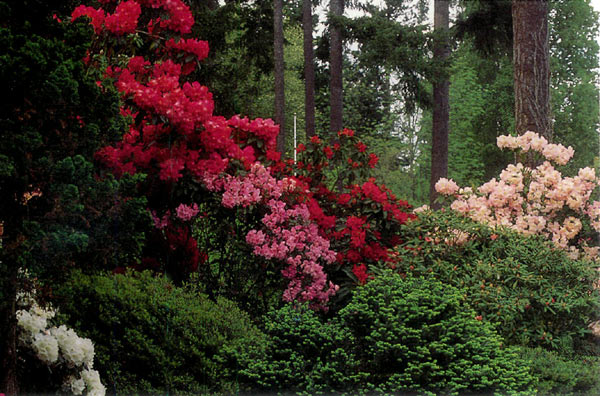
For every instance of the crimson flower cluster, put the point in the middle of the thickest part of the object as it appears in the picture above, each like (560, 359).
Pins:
(175, 138)
(361, 218)
(180, 145)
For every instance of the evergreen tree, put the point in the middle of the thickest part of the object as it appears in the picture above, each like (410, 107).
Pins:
(531, 61)
(55, 211)
(279, 73)
(441, 105)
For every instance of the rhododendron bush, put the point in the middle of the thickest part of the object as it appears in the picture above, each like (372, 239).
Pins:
(536, 199)
(191, 157)
(361, 218)
(60, 348)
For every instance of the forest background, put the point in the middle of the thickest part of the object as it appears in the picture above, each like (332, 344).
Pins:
(387, 78)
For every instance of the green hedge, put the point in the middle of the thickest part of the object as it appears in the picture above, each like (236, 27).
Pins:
(395, 336)
(563, 375)
(418, 334)
(151, 336)
(533, 292)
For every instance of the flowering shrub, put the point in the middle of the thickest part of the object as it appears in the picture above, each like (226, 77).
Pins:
(177, 141)
(533, 292)
(361, 218)
(58, 347)
(535, 200)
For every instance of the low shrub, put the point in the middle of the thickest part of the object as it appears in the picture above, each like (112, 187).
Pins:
(304, 354)
(395, 336)
(535, 293)
(151, 336)
(417, 334)
(560, 375)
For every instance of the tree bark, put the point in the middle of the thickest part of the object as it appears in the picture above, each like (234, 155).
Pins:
(279, 70)
(531, 67)
(335, 68)
(309, 69)
(441, 105)
(8, 327)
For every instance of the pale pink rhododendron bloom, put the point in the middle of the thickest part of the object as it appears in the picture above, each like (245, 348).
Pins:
(536, 201)
(446, 187)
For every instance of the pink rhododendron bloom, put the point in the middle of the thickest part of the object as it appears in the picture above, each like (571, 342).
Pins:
(186, 213)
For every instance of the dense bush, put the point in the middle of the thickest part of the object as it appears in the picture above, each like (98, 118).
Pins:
(417, 334)
(303, 354)
(411, 335)
(151, 336)
(559, 375)
(534, 292)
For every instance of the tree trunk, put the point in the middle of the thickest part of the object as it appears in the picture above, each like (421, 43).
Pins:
(531, 67)
(441, 106)
(335, 68)
(309, 69)
(8, 327)
(279, 70)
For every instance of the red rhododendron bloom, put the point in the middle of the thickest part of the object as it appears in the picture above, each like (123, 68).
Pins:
(125, 18)
(361, 147)
(360, 271)
(373, 159)
(346, 132)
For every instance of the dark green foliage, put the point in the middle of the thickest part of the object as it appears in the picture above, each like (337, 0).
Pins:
(54, 120)
(534, 292)
(560, 375)
(304, 354)
(417, 334)
(54, 117)
(151, 336)
(395, 336)
(231, 269)
(488, 23)
(240, 35)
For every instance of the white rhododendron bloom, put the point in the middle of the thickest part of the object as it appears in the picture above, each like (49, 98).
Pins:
(32, 324)
(75, 350)
(58, 346)
(77, 386)
(46, 347)
(92, 381)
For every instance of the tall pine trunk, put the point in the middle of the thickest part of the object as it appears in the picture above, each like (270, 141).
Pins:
(8, 321)
(441, 106)
(335, 68)
(309, 69)
(531, 67)
(279, 70)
